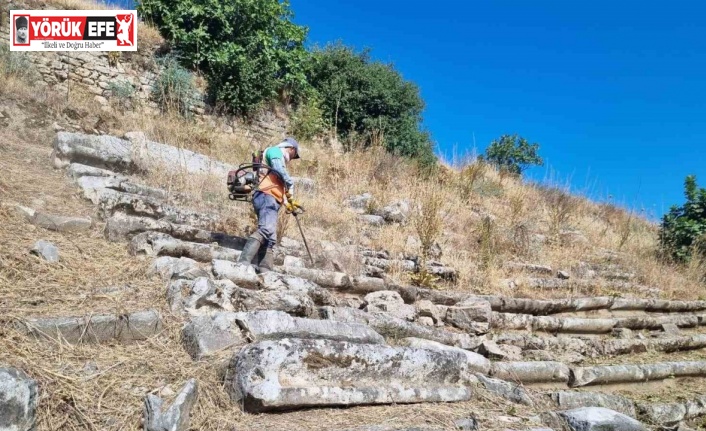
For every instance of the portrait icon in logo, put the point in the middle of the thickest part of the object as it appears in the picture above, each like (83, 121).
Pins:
(21, 30)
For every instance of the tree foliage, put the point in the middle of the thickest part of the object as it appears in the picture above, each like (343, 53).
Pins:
(250, 50)
(683, 228)
(513, 154)
(369, 102)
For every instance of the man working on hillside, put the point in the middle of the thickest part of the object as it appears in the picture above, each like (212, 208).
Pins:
(274, 190)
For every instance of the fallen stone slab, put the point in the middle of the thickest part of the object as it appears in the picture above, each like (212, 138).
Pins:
(614, 374)
(61, 223)
(472, 315)
(135, 326)
(291, 302)
(670, 414)
(397, 328)
(18, 400)
(200, 295)
(135, 155)
(243, 275)
(276, 325)
(46, 250)
(504, 389)
(335, 280)
(207, 335)
(656, 322)
(292, 374)
(110, 201)
(372, 220)
(599, 419)
(169, 268)
(177, 416)
(534, 372)
(391, 303)
(568, 400)
(491, 350)
(275, 281)
(476, 362)
(363, 284)
(78, 170)
(161, 244)
(90, 185)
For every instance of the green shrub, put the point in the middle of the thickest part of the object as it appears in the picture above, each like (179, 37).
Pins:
(683, 229)
(512, 154)
(123, 93)
(307, 120)
(249, 51)
(369, 101)
(16, 64)
(174, 88)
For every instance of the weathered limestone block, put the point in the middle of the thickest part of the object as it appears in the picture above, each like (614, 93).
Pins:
(398, 328)
(276, 281)
(363, 284)
(94, 329)
(476, 362)
(670, 414)
(177, 416)
(46, 250)
(599, 419)
(169, 268)
(531, 372)
(507, 390)
(656, 322)
(472, 315)
(275, 325)
(390, 302)
(161, 244)
(61, 223)
(572, 325)
(612, 374)
(200, 295)
(528, 267)
(206, 335)
(335, 280)
(90, 184)
(568, 400)
(18, 400)
(291, 374)
(78, 170)
(243, 275)
(292, 302)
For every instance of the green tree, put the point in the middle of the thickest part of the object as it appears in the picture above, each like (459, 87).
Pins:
(369, 102)
(513, 154)
(683, 228)
(250, 50)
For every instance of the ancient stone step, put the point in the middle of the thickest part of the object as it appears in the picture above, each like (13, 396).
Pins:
(169, 268)
(91, 184)
(78, 170)
(603, 347)
(276, 281)
(476, 362)
(671, 414)
(507, 390)
(275, 325)
(18, 400)
(535, 372)
(122, 227)
(577, 325)
(398, 328)
(568, 400)
(599, 419)
(243, 275)
(615, 374)
(94, 329)
(291, 302)
(110, 201)
(206, 335)
(335, 280)
(61, 223)
(293, 374)
(161, 244)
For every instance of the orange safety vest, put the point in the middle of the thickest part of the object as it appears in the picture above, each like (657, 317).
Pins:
(271, 183)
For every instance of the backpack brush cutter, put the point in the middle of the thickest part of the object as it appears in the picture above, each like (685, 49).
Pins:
(243, 181)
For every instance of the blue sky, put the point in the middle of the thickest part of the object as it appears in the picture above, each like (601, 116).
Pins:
(614, 91)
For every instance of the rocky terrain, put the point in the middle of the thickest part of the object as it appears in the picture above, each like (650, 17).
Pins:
(124, 307)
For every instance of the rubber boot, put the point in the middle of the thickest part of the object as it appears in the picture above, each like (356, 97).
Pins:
(252, 246)
(267, 262)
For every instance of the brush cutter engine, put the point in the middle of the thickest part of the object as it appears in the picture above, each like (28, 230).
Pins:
(242, 182)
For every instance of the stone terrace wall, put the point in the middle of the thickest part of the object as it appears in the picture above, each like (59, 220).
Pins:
(96, 72)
